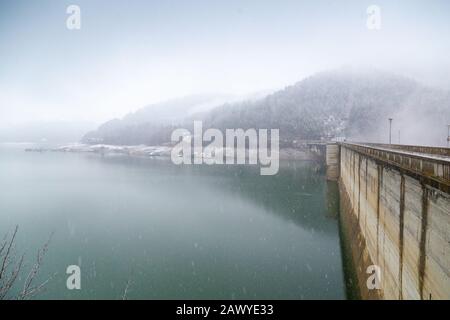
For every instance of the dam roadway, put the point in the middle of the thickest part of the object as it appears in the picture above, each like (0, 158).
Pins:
(395, 215)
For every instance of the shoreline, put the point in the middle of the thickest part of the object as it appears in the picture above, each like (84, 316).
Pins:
(160, 151)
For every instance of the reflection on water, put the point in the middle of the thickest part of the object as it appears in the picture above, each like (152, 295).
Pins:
(194, 231)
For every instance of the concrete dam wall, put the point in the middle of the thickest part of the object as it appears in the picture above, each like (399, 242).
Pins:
(395, 215)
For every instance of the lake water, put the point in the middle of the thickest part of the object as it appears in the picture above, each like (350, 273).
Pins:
(176, 232)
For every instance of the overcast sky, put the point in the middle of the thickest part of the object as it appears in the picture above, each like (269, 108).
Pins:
(131, 53)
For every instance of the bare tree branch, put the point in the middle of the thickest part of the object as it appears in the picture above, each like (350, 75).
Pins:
(11, 267)
(6, 257)
(125, 292)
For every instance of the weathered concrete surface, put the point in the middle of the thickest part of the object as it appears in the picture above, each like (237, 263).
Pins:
(398, 219)
(332, 161)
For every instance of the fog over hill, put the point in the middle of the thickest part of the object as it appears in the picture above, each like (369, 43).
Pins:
(327, 105)
(45, 131)
(154, 123)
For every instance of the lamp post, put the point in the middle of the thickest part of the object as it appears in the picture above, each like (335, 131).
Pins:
(390, 130)
(448, 136)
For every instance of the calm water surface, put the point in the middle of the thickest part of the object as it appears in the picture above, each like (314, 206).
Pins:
(218, 232)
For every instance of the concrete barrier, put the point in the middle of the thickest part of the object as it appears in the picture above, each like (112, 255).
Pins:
(395, 214)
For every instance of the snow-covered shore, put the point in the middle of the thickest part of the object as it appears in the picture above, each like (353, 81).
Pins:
(160, 151)
(140, 150)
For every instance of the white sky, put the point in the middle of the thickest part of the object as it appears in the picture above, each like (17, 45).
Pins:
(132, 53)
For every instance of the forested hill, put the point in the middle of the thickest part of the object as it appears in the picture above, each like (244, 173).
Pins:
(332, 104)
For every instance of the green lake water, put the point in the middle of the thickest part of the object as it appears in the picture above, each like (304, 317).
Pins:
(176, 232)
